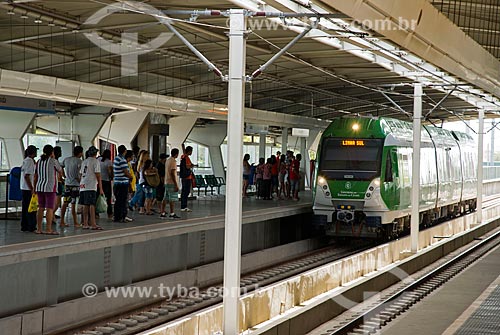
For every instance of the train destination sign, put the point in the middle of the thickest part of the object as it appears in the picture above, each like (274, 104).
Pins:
(353, 143)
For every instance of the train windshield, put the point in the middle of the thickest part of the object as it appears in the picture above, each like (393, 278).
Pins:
(351, 159)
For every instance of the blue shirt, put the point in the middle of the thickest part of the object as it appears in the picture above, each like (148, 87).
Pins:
(119, 165)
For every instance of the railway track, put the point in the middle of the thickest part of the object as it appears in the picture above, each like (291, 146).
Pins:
(156, 314)
(169, 310)
(372, 319)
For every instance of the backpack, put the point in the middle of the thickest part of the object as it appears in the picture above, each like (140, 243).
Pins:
(152, 180)
(184, 171)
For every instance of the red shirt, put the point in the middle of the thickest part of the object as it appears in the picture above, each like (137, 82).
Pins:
(294, 170)
(274, 168)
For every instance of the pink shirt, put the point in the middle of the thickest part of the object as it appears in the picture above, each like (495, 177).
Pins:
(267, 172)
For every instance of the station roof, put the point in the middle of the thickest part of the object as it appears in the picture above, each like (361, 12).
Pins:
(315, 79)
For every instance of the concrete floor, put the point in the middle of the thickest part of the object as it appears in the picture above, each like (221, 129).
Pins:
(10, 230)
(434, 314)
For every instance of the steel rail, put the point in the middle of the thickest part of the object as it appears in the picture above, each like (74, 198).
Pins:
(374, 312)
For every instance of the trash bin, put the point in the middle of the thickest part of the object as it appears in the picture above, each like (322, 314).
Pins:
(15, 192)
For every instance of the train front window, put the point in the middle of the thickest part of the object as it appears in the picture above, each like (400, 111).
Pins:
(357, 159)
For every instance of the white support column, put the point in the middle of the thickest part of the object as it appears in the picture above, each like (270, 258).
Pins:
(14, 148)
(309, 146)
(284, 140)
(212, 136)
(415, 175)
(180, 127)
(304, 153)
(232, 238)
(13, 126)
(480, 158)
(216, 160)
(262, 147)
(123, 127)
(88, 127)
(492, 143)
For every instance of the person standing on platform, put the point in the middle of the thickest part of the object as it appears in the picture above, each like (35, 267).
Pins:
(60, 182)
(246, 174)
(187, 177)
(121, 178)
(289, 159)
(139, 197)
(107, 176)
(47, 172)
(281, 177)
(295, 177)
(171, 185)
(274, 175)
(89, 183)
(71, 173)
(160, 190)
(259, 173)
(148, 169)
(28, 220)
(266, 180)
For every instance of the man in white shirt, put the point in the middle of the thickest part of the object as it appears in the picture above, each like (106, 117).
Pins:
(90, 179)
(28, 220)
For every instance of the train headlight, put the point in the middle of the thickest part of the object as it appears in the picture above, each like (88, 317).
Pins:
(371, 188)
(368, 194)
(376, 182)
(322, 181)
(325, 187)
(327, 194)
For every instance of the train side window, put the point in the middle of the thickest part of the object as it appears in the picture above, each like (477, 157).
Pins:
(388, 169)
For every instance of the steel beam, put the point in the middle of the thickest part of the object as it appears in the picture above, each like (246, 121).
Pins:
(232, 239)
(415, 175)
(480, 158)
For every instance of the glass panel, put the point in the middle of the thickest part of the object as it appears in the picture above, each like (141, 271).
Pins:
(4, 165)
(351, 159)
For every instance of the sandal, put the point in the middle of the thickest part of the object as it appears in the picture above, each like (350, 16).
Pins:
(96, 228)
(86, 227)
(38, 232)
(64, 225)
(50, 232)
(77, 225)
(151, 213)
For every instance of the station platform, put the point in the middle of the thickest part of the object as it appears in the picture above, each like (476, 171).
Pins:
(204, 209)
(57, 267)
(469, 304)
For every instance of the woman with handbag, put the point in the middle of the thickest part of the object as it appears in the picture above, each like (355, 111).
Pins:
(149, 180)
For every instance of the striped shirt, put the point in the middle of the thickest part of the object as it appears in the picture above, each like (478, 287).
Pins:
(47, 175)
(119, 165)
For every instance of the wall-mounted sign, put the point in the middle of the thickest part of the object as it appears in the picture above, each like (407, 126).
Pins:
(300, 132)
(252, 128)
(8, 102)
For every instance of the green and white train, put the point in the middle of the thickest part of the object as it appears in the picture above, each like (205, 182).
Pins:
(364, 176)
